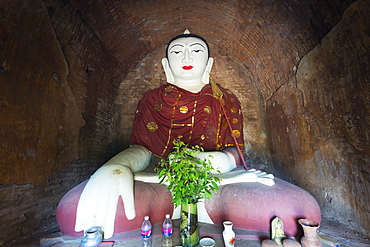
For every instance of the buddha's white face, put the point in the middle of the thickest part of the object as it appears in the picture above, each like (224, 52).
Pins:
(187, 58)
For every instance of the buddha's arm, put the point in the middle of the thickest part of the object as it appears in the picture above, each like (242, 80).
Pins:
(98, 201)
(221, 161)
(225, 162)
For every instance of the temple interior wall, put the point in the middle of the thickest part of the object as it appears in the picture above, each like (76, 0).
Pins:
(72, 72)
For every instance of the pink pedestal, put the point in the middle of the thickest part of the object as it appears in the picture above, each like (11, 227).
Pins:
(150, 199)
(252, 206)
(249, 206)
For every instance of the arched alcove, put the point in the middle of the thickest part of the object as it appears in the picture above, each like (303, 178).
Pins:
(72, 72)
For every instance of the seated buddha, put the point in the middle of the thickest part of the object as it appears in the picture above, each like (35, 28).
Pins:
(191, 106)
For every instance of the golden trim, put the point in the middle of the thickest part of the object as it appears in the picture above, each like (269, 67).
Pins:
(183, 125)
(171, 125)
(219, 126)
(193, 119)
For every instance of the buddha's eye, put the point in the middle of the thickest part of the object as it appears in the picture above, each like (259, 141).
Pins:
(176, 52)
(197, 51)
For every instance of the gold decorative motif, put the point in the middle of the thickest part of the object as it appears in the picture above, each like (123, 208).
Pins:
(184, 109)
(233, 109)
(116, 172)
(232, 99)
(202, 137)
(207, 109)
(168, 89)
(152, 126)
(236, 133)
(158, 106)
(235, 120)
(224, 124)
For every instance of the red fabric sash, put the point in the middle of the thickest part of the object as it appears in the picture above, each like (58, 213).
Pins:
(169, 112)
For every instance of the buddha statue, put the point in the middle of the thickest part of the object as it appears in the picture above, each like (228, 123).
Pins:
(192, 107)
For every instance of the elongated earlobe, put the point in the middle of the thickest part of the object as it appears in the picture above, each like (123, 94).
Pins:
(205, 77)
(167, 71)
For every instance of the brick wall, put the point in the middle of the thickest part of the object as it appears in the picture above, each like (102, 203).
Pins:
(57, 112)
(72, 72)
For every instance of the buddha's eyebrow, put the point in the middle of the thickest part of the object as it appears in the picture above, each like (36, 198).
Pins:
(198, 44)
(176, 45)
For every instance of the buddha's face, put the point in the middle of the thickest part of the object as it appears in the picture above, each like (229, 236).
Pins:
(187, 58)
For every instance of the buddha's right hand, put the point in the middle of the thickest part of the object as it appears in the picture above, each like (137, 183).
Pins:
(98, 202)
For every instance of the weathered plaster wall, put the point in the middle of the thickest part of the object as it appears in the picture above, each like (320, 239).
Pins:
(319, 122)
(55, 112)
(37, 103)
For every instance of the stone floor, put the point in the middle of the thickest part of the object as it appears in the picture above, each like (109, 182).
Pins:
(345, 237)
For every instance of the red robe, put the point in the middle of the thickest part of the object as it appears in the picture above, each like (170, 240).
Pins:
(169, 112)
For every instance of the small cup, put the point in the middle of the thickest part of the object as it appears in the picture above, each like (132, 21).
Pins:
(207, 242)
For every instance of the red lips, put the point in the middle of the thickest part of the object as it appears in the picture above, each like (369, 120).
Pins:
(187, 67)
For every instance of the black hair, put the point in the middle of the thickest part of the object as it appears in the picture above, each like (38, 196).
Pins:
(187, 36)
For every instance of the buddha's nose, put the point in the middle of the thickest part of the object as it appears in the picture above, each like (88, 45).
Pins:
(187, 59)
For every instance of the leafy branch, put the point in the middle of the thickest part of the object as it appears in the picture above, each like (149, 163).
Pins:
(187, 177)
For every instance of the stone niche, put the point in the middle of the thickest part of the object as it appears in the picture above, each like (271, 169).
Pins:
(68, 96)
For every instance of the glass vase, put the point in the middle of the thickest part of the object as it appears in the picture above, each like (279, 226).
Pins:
(189, 235)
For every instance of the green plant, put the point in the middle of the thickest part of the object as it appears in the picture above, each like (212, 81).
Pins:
(188, 178)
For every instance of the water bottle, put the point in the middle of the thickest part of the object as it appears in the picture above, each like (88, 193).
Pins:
(167, 232)
(146, 232)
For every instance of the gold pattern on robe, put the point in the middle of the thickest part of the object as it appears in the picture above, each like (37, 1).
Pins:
(235, 120)
(233, 109)
(224, 124)
(168, 89)
(218, 147)
(236, 133)
(207, 109)
(184, 109)
(152, 126)
(202, 137)
(158, 105)
(232, 99)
